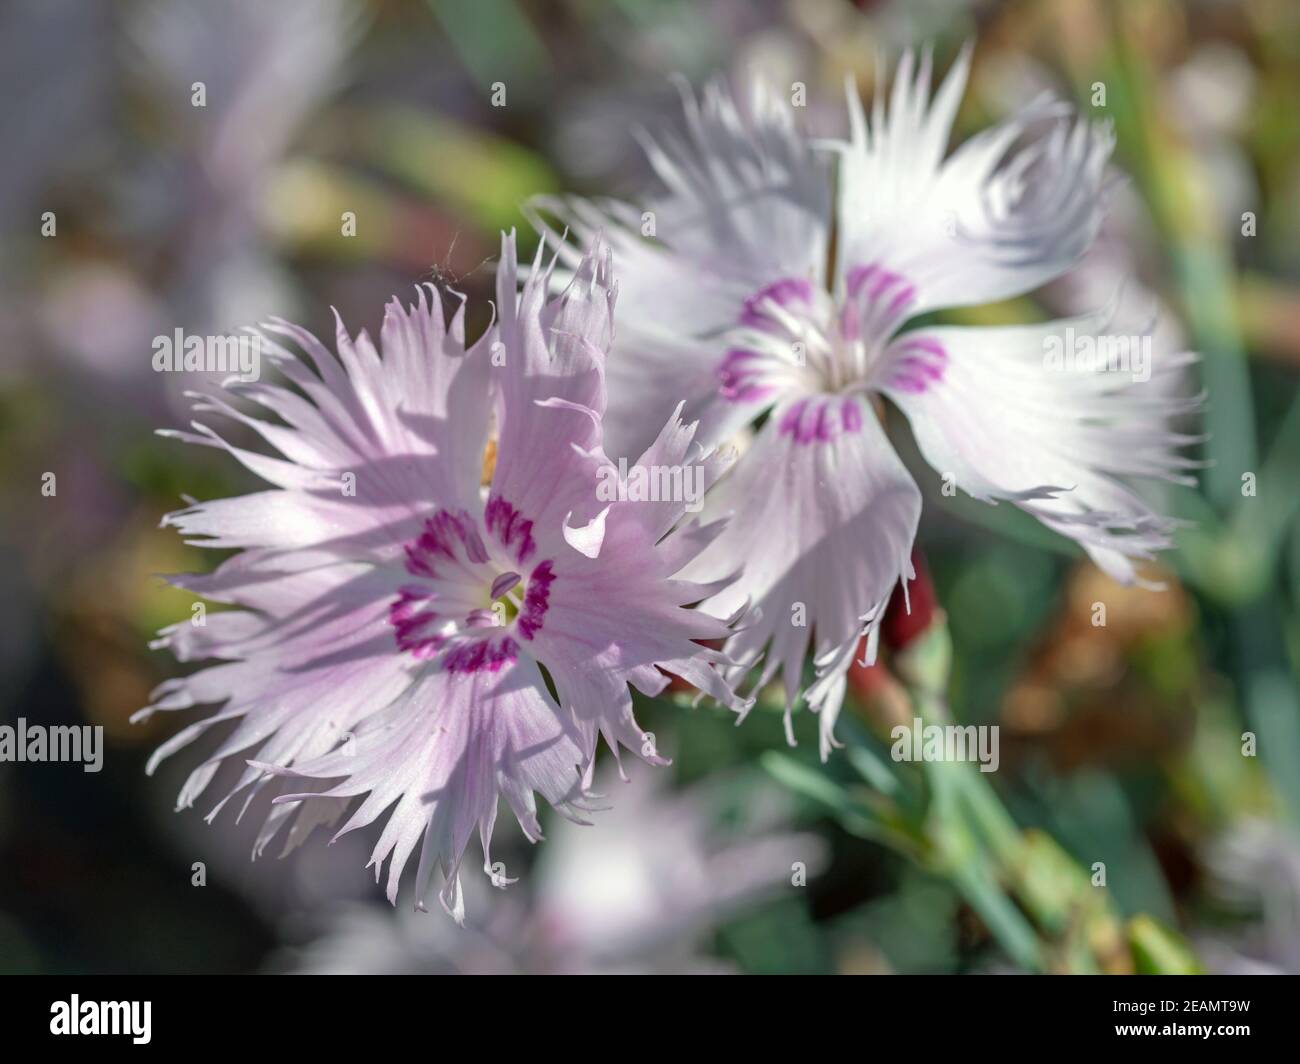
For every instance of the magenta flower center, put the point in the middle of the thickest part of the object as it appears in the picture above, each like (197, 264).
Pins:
(474, 592)
(794, 340)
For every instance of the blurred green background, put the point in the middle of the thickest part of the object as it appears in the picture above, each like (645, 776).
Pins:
(1122, 746)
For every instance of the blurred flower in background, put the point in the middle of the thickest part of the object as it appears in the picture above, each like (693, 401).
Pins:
(640, 890)
(1255, 875)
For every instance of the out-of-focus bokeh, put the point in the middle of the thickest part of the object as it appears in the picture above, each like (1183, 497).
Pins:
(1146, 812)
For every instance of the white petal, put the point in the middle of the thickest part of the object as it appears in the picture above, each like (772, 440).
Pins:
(1003, 423)
(746, 203)
(587, 539)
(985, 224)
(822, 520)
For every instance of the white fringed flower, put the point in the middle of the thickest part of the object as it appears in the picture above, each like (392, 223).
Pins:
(787, 281)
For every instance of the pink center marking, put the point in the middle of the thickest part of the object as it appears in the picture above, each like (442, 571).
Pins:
(448, 559)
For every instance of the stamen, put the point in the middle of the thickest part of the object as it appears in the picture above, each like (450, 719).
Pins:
(504, 583)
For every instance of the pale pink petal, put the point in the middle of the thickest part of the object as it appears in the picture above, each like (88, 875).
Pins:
(377, 443)
(441, 756)
(550, 375)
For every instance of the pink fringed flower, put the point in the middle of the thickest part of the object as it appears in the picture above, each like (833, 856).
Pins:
(407, 641)
(791, 282)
